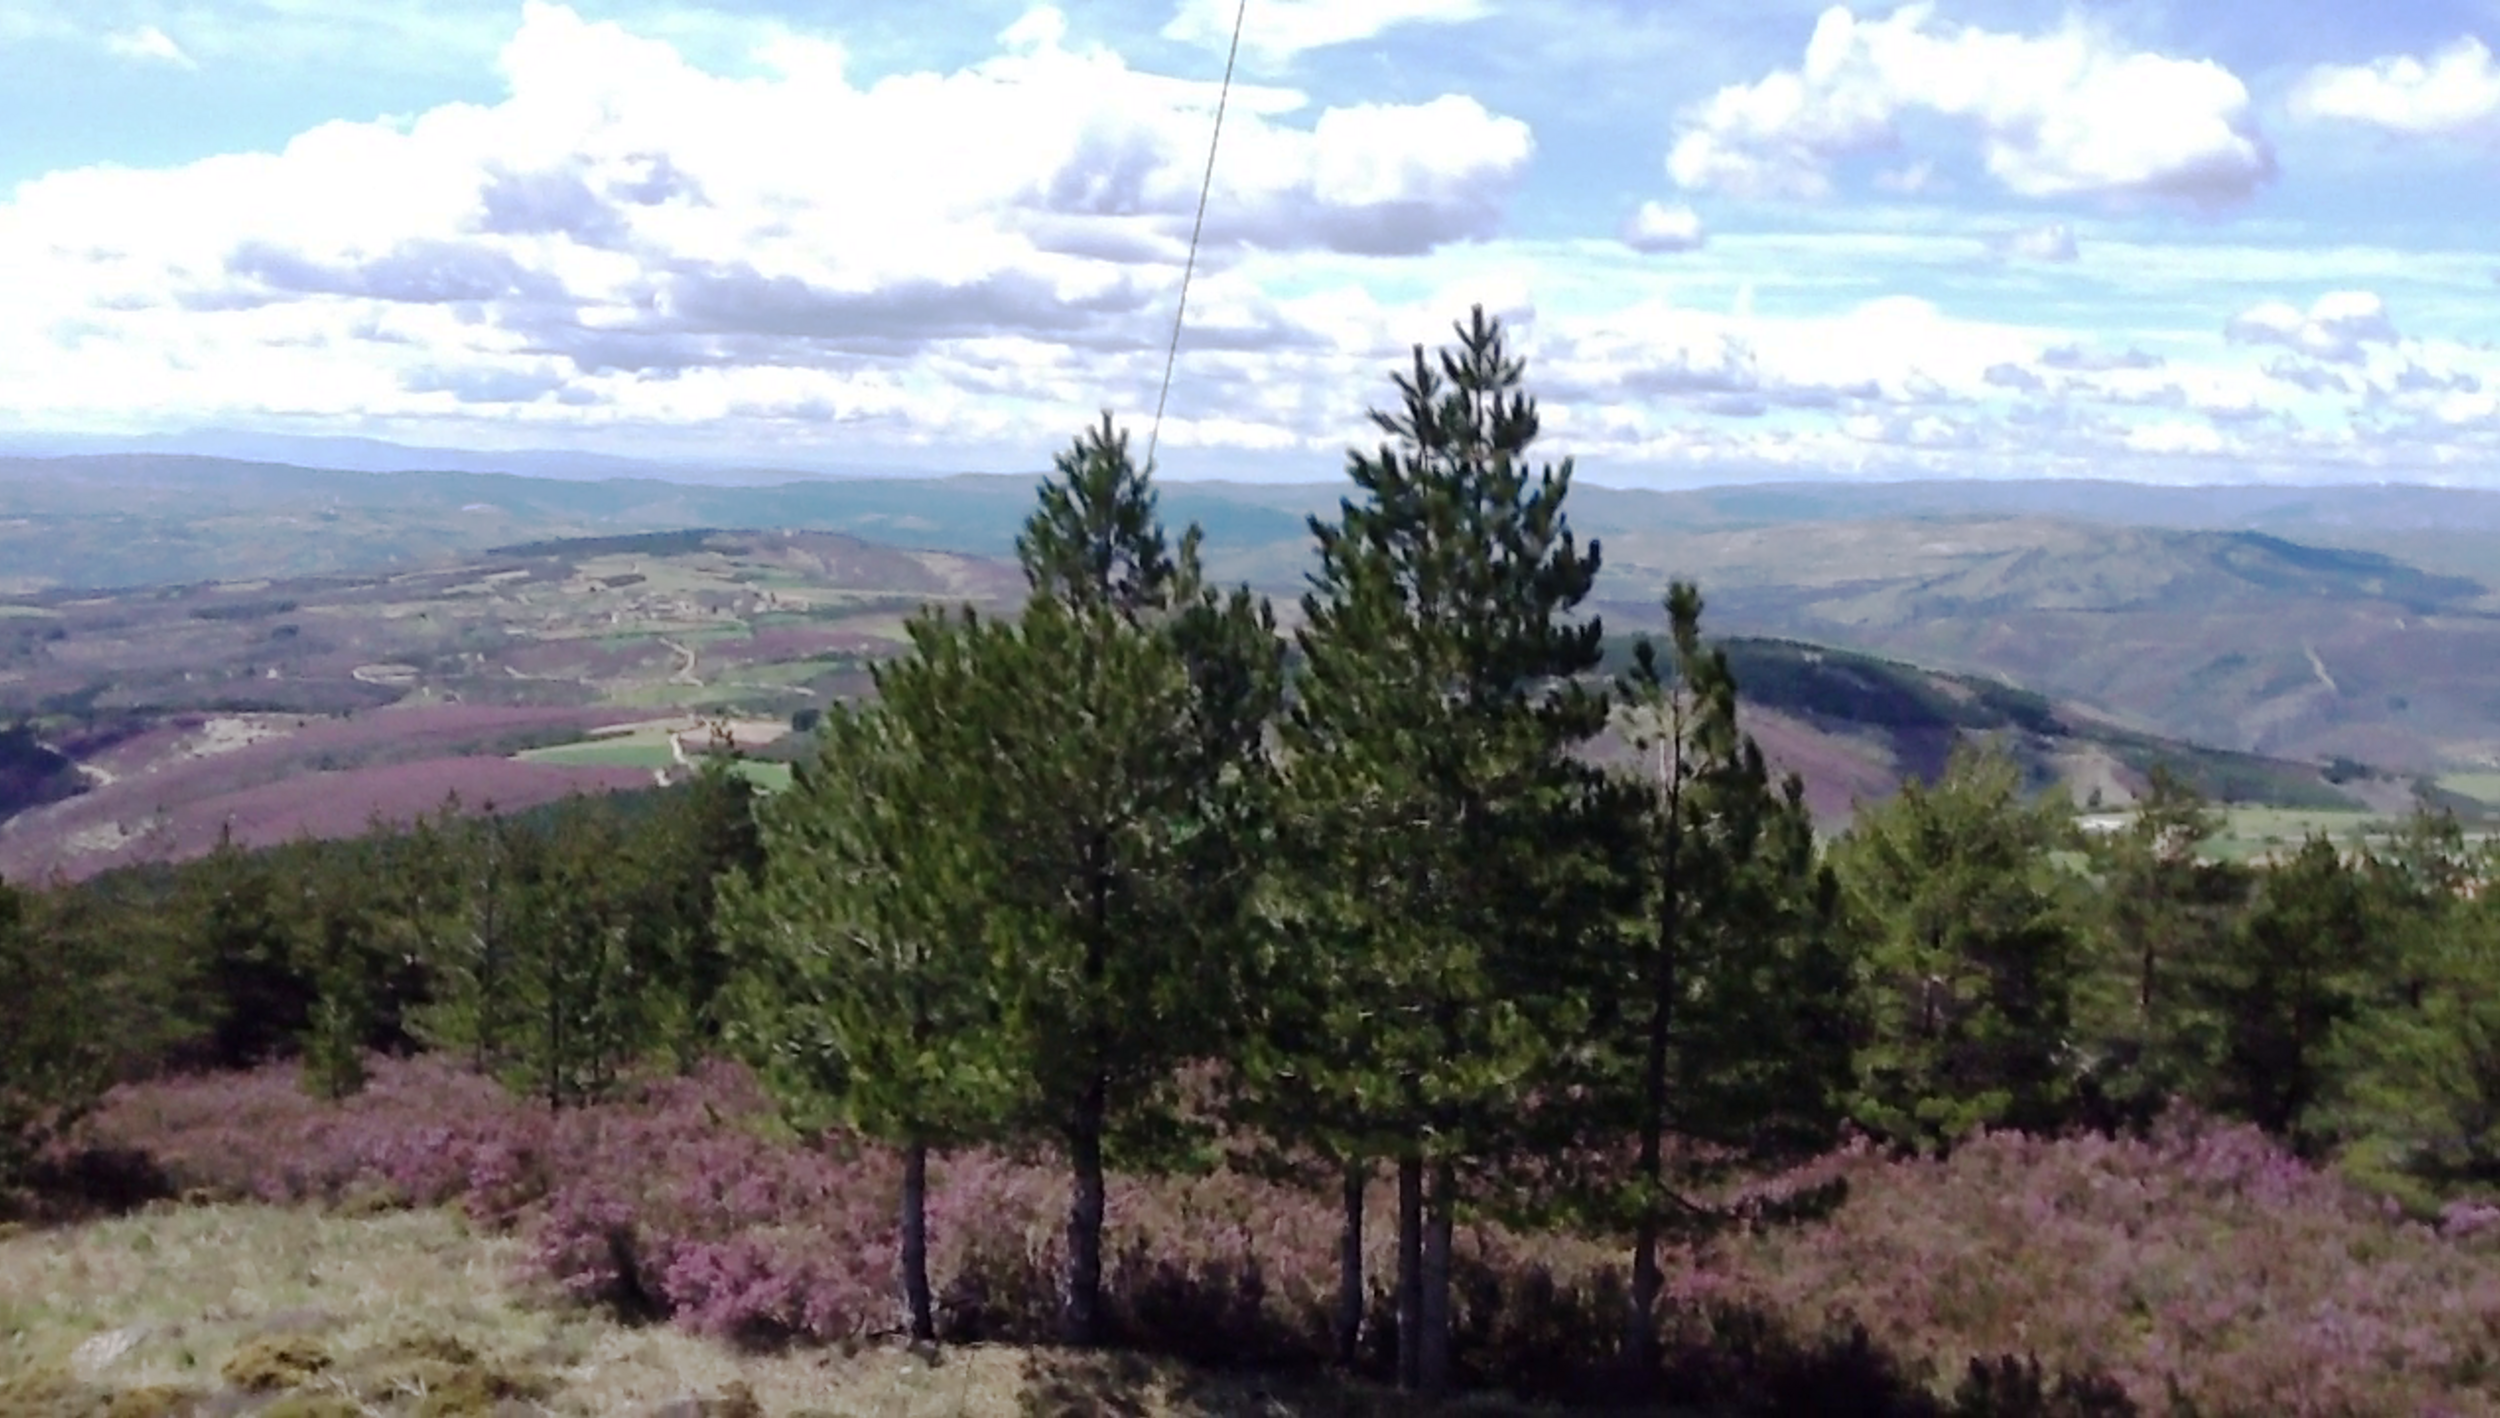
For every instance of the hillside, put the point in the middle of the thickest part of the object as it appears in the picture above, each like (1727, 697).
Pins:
(1855, 725)
(311, 704)
(2238, 639)
(2303, 622)
(164, 716)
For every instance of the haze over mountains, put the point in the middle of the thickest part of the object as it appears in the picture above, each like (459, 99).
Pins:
(2310, 622)
(201, 641)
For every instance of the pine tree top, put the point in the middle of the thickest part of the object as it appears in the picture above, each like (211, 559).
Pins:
(1096, 538)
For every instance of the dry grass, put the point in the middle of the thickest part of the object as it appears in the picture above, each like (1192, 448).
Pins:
(236, 1309)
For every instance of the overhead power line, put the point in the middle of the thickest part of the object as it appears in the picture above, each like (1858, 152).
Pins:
(1206, 184)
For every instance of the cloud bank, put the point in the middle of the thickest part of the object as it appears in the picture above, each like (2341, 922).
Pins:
(2065, 114)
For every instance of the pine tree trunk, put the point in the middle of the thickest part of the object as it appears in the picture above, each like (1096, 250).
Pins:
(1439, 1224)
(1093, 1111)
(916, 1242)
(1085, 1226)
(1641, 1340)
(1350, 1267)
(1410, 1271)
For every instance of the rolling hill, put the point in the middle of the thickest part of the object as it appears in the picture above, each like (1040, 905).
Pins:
(156, 717)
(2303, 622)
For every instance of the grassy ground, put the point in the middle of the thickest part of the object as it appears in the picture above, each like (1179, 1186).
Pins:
(645, 747)
(2481, 787)
(235, 1309)
(636, 751)
(2264, 831)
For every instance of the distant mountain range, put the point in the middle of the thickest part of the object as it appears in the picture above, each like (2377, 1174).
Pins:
(2303, 622)
(145, 722)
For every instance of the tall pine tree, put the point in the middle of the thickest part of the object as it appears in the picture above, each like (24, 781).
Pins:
(1122, 789)
(1974, 950)
(1735, 1002)
(1432, 751)
(869, 998)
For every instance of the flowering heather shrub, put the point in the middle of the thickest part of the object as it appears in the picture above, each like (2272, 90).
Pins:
(2018, 1276)
(2203, 1261)
(423, 1133)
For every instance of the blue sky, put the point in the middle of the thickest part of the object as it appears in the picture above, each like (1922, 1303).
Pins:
(1737, 238)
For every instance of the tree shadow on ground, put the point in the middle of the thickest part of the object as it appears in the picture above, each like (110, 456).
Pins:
(87, 1184)
(1067, 1383)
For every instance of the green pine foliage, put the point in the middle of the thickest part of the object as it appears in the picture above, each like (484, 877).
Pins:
(1974, 954)
(1727, 1018)
(2291, 976)
(2419, 1091)
(868, 997)
(245, 932)
(2162, 914)
(1120, 731)
(54, 1061)
(1437, 793)
(870, 1000)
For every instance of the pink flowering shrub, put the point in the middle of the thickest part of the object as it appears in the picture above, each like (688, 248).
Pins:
(2200, 1270)
(2203, 1262)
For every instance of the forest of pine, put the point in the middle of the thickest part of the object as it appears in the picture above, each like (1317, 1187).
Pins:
(1414, 913)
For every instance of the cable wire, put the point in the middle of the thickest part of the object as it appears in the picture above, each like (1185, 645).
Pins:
(1206, 184)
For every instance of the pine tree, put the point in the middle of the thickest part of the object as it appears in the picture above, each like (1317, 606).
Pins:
(460, 898)
(578, 983)
(2295, 972)
(1123, 721)
(338, 950)
(2164, 910)
(1738, 1000)
(54, 1058)
(870, 997)
(1975, 952)
(260, 1002)
(1431, 753)
(700, 835)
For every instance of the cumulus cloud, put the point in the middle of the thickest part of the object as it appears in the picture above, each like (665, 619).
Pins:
(2176, 436)
(1276, 30)
(1656, 227)
(2414, 379)
(629, 236)
(2089, 361)
(2455, 91)
(148, 44)
(2072, 113)
(2054, 241)
(2314, 378)
(1894, 350)
(2335, 327)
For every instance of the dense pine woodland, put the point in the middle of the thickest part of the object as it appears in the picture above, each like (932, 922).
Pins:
(1416, 896)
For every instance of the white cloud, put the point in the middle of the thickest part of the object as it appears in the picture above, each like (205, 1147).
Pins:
(2455, 91)
(2052, 242)
(1656, 227)
(2176, 436)
(629, 239)
(2065, 114)
(1273, 31)
(149, 44)
(2336, 326)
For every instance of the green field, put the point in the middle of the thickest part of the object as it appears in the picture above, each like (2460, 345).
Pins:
(622, 752)
(2262, 831)
(646, 750)
(2481, 787)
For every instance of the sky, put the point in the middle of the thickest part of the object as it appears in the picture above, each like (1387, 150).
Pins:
(2218, 241)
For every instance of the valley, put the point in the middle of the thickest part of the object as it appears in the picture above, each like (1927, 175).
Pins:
(154, 719)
